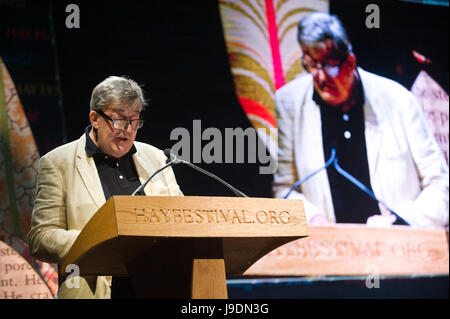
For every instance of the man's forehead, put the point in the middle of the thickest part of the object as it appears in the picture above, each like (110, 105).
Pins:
(320, 51)
(122, 110)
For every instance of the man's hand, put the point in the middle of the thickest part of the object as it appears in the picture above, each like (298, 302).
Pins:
(384, 220)
(319, 220)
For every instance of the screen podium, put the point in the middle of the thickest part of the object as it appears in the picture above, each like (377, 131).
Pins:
(183, 247)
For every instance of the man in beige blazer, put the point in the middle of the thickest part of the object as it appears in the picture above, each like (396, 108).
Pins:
(75, 179)
(404, 166)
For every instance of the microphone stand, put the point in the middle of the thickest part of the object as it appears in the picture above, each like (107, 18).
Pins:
(334, 160)
(366, 190)
(301, 181)
(177, 160)
(234, 190)
(148, 179)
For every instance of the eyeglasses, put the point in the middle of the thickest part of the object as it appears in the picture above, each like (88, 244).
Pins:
(313, 68)
(122, 124)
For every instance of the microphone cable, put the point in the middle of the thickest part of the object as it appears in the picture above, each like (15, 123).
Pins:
(334, 160)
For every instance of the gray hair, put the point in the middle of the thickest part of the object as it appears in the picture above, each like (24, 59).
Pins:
(318, 27)
(117, 90)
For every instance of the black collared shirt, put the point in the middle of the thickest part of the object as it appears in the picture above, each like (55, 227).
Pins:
(344, 131)
(118, 176)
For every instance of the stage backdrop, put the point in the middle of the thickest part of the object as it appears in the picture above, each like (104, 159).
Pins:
(215, 61)
(261, 38)
(31, 124)
(19, 164)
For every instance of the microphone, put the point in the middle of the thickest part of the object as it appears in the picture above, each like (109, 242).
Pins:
(140, 188)
(334, 160)
(176, 160)
(365, 189)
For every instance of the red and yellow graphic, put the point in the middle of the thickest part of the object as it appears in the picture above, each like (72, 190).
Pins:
(261, 38)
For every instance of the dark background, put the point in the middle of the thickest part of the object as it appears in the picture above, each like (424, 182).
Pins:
(176, 49)
(404, 26)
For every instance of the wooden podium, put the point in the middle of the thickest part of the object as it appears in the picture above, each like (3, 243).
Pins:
(183, 247)
(358, 250)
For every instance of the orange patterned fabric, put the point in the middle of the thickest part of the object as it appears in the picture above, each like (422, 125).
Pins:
(25, 159)
(22, 153)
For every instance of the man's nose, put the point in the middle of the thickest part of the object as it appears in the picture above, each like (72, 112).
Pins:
(320, 76)
(128, 129)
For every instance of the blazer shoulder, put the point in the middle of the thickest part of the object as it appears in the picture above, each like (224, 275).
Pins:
(141, 146)
(300, 84)
(293, 94)
(149, 151)
(382, 83)
(392, 95)
(63, 152)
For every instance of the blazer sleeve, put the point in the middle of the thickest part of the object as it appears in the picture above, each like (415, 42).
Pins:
(49, 239)
(286, 174)
(431, 207)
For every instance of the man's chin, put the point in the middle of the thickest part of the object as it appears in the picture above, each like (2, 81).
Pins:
(120, 151)
(329, 98)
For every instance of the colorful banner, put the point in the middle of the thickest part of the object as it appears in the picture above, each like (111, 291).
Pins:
(30, 126)
(19, 161)
(435, 105)
(261, 39)
(19, 164)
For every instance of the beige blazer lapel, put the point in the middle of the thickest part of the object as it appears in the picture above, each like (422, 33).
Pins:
(372, 122)
(88, 172)
(144, 169)
(309, 154)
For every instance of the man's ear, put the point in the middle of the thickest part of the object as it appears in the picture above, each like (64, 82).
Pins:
(93, 118)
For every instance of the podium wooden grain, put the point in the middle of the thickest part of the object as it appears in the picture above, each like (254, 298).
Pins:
(354, 249)
(183, 247)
